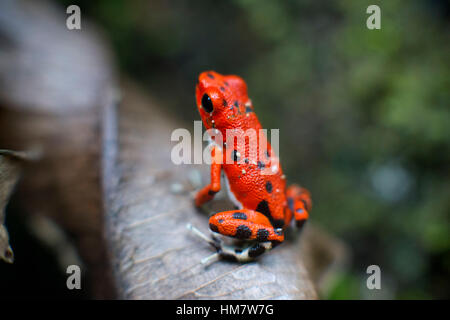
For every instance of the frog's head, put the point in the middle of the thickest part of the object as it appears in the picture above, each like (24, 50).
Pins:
(222, 100)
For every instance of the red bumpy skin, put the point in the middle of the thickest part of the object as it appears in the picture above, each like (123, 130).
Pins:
(256, 184)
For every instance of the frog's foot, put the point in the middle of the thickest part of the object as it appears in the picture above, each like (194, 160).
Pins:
(247, 225)
(231, 252)
(299, 203)
(214, 242)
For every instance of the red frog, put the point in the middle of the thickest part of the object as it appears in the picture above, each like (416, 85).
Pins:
(253, 176)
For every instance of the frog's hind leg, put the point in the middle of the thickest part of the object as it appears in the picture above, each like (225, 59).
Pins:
(299, 203)
(230, 252)
(245, 224)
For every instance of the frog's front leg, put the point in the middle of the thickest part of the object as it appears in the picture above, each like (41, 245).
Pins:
(207, 193)
(245, 224)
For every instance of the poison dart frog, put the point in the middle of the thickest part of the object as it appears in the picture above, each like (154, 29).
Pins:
(254, 180)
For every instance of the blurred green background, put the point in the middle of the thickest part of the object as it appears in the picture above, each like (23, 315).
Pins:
(363, 114)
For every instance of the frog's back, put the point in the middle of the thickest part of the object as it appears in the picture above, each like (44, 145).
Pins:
(258, 185)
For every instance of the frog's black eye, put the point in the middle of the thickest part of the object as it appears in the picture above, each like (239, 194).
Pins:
(207, 103)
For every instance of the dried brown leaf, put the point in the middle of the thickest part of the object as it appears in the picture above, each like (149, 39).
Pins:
(10, 167)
